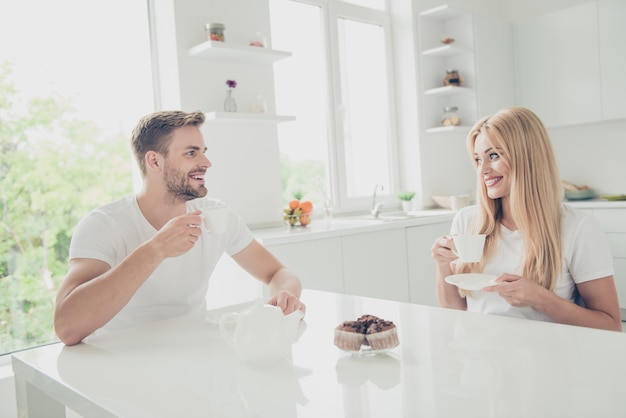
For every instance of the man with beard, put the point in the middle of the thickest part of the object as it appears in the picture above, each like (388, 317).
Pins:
(145, 257)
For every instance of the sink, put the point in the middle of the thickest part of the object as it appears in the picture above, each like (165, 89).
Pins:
(400, 216)
(386, 217)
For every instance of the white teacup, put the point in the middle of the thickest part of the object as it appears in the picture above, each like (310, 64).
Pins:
(215, 218)
(469, 248)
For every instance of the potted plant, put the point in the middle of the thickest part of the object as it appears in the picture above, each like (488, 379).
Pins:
(406, 198)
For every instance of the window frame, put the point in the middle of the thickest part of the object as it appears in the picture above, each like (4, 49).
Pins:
(331, 11)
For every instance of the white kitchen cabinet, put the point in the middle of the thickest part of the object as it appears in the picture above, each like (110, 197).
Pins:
(611, 17)
(570, 63)
(559, 67)
(384, 260)
(419, 240)
(613, 222)
(318, 263)
(375, 264)
(436, 58)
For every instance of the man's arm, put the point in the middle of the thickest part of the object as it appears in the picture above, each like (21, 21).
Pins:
(92, 292)
(284, 286)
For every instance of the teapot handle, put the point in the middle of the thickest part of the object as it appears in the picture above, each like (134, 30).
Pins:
(229, 335)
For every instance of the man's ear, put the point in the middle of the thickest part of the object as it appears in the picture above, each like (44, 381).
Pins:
(153, 161)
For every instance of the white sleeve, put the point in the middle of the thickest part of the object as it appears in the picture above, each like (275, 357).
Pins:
(93, 238)
(462, 220)
(587, 252)
(239, 235)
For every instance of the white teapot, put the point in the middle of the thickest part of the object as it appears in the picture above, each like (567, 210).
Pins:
(262, 331)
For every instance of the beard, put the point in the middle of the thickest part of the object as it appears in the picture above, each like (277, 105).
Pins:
(178, 186)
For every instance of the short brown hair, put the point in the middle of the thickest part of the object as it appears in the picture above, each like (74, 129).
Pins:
(154, 132)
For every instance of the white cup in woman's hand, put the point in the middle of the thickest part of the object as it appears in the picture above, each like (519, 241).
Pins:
(469, 248)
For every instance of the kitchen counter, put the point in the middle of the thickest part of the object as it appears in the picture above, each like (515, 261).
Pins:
(597, 204)
(350, 225)
(342, 226)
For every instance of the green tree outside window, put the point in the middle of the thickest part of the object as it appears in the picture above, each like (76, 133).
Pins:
(54, 168)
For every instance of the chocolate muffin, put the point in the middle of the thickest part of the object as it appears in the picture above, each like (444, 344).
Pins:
(382, 334)
(350, 335)
(369, 330)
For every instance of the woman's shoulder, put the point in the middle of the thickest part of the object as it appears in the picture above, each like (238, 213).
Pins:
(573, 216)
(470, 210)
(464, 218)
(468, 213)
(576, 222)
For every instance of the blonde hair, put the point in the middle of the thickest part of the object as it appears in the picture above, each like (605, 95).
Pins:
(535, 196)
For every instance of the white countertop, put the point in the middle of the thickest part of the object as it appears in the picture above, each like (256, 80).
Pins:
(597, 204)
(341, 226)
(448, 364)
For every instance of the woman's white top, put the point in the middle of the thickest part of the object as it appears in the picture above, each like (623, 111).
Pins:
(586, 256)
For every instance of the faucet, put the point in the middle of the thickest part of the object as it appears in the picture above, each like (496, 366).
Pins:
(376, 207)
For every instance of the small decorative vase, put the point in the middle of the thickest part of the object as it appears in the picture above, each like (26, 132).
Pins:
(229, 104)
(407, 205)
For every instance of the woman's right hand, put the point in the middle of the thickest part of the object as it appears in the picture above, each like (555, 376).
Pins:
(443, 254)
(443, 250)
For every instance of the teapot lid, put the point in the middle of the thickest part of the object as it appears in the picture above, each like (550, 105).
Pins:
(260, 305)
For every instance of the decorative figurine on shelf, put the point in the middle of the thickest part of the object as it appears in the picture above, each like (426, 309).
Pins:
(453, 78)
(258, 105)
(259, 40)
(215, 32)
(229, 104)
(450, 116)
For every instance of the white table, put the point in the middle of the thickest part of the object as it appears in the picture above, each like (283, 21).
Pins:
(448, 364)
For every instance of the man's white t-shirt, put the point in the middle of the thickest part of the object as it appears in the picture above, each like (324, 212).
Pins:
(586, 256)
(179, 284)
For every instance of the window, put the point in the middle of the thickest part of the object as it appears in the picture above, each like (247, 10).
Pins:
(337, 84)
(365, 114)
(72, 86)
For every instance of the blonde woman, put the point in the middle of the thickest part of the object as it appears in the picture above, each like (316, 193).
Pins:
(552, 263)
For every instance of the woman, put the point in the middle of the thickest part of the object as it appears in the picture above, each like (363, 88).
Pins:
(546, 255)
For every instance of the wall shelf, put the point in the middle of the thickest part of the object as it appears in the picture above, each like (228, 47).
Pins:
(436, 59)
(241, 117)
(440, 129)
(444, 12)
(446, 51)
(237, 53)
(447, 90)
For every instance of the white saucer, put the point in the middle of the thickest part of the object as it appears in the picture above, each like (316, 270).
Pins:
(471, 281)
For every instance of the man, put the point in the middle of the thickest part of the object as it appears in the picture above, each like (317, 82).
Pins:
(145, 257)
